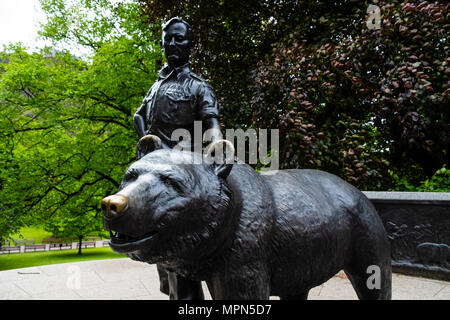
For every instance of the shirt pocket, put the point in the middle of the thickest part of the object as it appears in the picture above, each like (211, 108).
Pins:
(180, 109)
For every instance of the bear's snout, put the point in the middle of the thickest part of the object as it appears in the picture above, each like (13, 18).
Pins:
(113, 206)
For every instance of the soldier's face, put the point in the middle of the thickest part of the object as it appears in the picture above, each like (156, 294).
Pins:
(176, 44)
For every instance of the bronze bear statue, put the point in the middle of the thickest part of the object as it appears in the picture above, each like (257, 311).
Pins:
(247, 235)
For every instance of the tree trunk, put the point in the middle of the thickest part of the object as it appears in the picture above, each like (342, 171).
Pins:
(79, 244)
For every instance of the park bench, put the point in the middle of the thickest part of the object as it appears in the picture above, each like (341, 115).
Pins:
(93, 238)
(56, 240)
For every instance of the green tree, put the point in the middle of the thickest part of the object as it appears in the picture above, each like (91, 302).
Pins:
(359, 101)
(67, 121)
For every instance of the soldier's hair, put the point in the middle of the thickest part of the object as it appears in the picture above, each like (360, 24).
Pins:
(189, 32)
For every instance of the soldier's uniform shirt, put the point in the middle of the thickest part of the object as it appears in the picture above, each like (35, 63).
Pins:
(177, 99)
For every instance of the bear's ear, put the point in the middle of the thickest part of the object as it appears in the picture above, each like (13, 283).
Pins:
(221, 158)
(146, 145)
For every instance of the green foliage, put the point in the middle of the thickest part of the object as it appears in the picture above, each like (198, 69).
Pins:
(66, 123)
(35, 233)
(439, 182)
(353, 99)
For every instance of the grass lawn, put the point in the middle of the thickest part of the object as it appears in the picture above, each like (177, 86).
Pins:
(35, 233)
(31, 259)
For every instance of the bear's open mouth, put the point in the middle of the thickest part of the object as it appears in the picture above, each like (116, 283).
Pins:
(120, 238)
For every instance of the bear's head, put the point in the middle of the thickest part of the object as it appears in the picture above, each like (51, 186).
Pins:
(171, 205)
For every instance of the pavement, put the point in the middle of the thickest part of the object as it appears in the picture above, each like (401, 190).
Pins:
(124, 279)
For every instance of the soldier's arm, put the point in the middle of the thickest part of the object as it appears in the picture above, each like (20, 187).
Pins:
(208, 112)
(213, 125)
(139, 120)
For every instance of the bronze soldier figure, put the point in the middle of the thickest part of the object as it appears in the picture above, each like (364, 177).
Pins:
(177, 99)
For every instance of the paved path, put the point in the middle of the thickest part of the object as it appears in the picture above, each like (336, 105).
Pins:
(126, 279)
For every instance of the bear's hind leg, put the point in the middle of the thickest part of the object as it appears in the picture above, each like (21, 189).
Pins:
(371, 275)
(368, 264)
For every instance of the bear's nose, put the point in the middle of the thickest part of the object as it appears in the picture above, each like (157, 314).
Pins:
(113, 206)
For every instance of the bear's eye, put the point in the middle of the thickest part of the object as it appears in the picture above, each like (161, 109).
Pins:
(131, 175)
(172, 183)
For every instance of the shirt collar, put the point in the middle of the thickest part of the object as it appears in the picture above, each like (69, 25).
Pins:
(166, 71)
